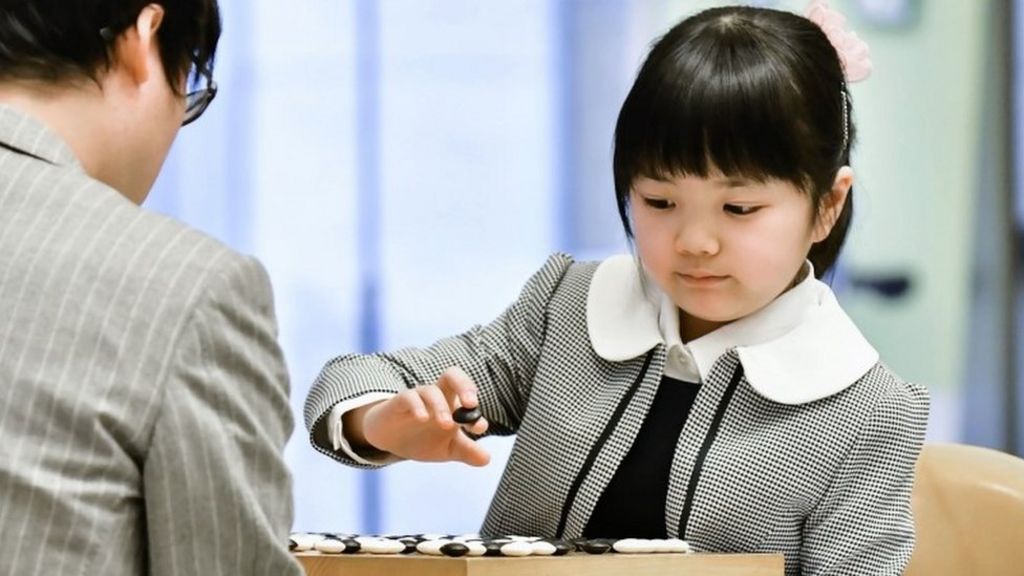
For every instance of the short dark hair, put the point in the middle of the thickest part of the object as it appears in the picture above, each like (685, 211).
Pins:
(60, 40)
(754, 92)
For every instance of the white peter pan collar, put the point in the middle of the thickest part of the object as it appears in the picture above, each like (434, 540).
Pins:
(799, 348)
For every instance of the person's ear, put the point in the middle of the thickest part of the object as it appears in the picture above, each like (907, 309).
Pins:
(832, 204)
(137, 45)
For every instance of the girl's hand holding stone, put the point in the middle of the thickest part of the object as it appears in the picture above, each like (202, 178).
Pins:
(417, 424)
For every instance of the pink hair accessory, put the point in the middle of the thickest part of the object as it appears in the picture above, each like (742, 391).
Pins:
(854, 54)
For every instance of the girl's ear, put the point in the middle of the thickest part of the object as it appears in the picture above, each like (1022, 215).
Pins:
(832, 204)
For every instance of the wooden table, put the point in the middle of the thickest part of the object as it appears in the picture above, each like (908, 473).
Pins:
(575, 564)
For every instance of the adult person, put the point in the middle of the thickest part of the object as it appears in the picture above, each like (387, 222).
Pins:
(143, 396)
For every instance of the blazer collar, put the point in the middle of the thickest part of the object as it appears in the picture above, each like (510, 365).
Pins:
(799, 348)
(26, 135)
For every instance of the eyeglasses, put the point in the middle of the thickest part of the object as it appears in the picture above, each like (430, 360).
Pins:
(197, 100)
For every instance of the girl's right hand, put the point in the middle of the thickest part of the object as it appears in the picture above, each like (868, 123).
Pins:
(417, 423)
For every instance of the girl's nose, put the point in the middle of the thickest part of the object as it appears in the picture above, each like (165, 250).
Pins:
(696, 239)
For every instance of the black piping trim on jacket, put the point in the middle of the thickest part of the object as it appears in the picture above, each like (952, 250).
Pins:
(596, 449)
(698, 466)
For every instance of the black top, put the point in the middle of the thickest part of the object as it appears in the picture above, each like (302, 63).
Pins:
(633, 504)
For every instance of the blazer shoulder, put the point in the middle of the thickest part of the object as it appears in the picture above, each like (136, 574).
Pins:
(569, 303)
(574, 277)
(155, 249)
(152, 263)
(893, 397)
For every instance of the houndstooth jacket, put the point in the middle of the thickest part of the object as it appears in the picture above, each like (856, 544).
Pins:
(823, 477)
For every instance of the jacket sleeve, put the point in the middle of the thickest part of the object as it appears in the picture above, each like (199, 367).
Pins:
(217, 493)
(864, 523)
(500, 357)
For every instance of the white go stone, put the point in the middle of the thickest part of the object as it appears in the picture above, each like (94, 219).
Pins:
(517, 548)
(633, 546)
(305, 542)
(432, 547)
(524, 538)
(382, 546)
(466, 538)
(659, 545)
(475, 548)
(542, 548)
(649, 546)
(676, 545)
(330, 546)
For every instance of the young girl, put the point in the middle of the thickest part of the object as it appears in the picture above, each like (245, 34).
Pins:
(709, 388)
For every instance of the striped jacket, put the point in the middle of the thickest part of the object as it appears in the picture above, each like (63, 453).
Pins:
(143, 396)
(823, 478)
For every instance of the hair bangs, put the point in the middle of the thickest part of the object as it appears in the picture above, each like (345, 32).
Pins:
(721, 111)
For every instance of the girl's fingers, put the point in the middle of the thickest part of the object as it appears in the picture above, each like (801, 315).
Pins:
(410, 401)
(464, 449)
(455, 383)
(477, 428)
(436, 404)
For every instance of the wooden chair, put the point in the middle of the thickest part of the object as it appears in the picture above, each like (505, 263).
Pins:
(969, 511)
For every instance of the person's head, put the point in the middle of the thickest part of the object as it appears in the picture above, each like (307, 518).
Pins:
(735, 109)
(136, 59)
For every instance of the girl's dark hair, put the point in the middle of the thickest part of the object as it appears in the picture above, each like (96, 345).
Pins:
(59, 40)
(752, 92)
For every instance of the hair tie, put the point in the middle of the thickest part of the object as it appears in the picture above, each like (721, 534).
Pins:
(854, 55)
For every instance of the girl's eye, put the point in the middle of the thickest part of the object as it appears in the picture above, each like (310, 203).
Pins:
(658, 203)
(741, 210)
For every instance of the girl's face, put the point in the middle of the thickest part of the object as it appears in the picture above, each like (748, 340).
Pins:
(724, 247)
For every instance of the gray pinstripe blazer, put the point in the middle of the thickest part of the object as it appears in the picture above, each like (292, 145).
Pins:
(827, 482)
(143, 397)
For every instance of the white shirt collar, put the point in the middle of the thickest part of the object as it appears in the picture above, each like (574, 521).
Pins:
(799, 348)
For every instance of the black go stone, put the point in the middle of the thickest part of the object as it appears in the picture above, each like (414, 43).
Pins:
(351, 546)
(410, 546)
(292, 544)
(492, 548)
(466, 415)
(578, 543)
(596, 546)
(455, 549)
(561, 547)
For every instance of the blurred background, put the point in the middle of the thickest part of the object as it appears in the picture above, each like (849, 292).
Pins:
(403, 166)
